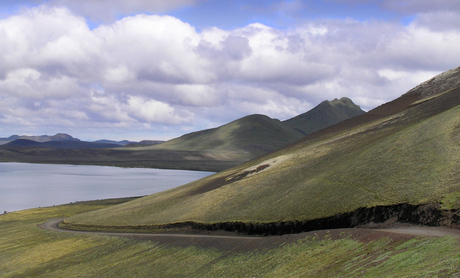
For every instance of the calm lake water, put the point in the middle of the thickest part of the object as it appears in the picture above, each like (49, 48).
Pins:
(24, 185)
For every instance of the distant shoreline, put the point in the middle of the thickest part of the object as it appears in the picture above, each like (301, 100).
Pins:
(47, 185)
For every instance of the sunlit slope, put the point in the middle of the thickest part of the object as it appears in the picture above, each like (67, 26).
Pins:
(247, 137)
(407, 151)
(256, 135)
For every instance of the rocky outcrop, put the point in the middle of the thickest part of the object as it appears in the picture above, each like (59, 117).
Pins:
(439, 84)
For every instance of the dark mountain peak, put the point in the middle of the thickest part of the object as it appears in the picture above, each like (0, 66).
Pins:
(12, 138)
(344, 101)
(61, 137)
(325, 114)
(254, 118)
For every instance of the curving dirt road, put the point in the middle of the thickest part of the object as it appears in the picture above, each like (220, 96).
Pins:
(423, 231)
(235, 243)
(53, 225)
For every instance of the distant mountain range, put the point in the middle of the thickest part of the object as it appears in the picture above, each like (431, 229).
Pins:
(212, 149)
(60, 140)
(255, 135)
(63, 144)
(42, 138)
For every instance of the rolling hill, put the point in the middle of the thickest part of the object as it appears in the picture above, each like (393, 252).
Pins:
(256, 135)
(398, 161)
(245, 138)
(41, 138)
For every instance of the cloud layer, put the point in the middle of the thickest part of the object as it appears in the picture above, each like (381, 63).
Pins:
(150, 72)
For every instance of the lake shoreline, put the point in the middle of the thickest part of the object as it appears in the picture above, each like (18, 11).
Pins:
(35, 185)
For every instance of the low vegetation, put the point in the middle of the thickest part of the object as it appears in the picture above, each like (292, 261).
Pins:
(28, 251)
(386, 158)
(327, 113)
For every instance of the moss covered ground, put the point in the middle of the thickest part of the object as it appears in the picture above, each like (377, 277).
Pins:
(411, 157)
(28, 251)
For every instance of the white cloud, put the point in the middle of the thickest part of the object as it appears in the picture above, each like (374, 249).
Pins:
(153, 111)
(439, 21)
(33, 84)
(421, 48)
(120, 74)
(198, 95)
(150, 72)
(156, 48)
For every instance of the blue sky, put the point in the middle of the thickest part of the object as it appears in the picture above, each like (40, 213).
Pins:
(158, 69)
(278, 14)
(234, 14)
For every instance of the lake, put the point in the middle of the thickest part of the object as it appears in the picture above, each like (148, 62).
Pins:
(24, 185)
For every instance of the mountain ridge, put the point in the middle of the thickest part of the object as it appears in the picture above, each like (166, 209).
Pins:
(207, 150)
(41, 138)
(402, 152)
(254, 135)
(323, 115)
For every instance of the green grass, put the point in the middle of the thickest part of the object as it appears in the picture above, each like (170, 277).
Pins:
(242, 139)
(411, 157)
(325, 114)
(27, 251)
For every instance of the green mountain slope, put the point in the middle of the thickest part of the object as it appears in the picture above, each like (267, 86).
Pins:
(327, 113)
(248, 137)
(404, 152)
(256, 135)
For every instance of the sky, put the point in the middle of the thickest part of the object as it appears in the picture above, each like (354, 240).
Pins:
(154, 69)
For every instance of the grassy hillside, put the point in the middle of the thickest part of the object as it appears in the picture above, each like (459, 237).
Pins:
(406, 151)
(256, 135)
(327, 113)
(27, 251)
(246, 137)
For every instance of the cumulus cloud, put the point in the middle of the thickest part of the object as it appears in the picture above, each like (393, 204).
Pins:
(439, 21)
(153, 111)
(151, 72)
